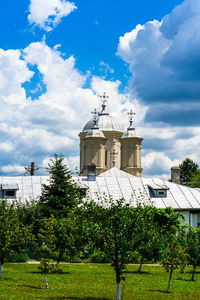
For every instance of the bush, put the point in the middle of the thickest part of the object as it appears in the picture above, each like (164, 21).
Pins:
(17, 257)
(71, 259)
(98, 257)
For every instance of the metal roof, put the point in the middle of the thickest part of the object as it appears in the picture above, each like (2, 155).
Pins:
(10, 186)
(105, 123)
(118, 184)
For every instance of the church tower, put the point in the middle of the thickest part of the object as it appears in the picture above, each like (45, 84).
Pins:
(131, 150)
(104, 143)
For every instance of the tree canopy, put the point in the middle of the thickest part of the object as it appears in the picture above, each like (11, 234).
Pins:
(61, 193)
(188, 170)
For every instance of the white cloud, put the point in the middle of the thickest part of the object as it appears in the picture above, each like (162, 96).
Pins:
(164, 58)
(34, 130)
(14, 169)
(48, 13)
(158, 163)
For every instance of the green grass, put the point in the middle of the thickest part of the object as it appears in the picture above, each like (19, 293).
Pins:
(93, 281)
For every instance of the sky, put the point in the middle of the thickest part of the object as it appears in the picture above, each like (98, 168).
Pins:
(57, 57)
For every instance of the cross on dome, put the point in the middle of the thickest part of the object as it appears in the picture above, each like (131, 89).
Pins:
(95, 115)
(114, 154)
(104, 100)
(131, 116)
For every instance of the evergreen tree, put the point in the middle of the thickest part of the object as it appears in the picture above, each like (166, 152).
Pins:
(188, 169)
(195, 180)
(62, 193)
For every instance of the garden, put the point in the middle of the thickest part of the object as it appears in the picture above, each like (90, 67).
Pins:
(105, 245)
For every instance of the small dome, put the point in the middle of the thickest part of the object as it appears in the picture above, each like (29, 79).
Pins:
(105, 123)
(95, 132)
(130, 133)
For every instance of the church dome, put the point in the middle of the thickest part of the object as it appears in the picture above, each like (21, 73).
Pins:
(105, 123)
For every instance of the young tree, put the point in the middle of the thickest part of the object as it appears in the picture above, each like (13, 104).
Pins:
(193, 248)
(174, 257)
(46, 251)
(67, 236)
(188, 169)
(12, 232)
(112, 229)
(147, 239)
(62, 193)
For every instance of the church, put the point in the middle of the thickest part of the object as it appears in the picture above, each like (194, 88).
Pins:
(110, 165)
(105, 144)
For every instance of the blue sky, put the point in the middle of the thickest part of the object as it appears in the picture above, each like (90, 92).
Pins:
(91, 33)
(57, 56)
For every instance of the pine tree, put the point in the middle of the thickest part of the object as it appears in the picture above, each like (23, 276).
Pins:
(62, 193)
(188, 169)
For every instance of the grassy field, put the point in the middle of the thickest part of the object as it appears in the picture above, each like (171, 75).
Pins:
(93, 281)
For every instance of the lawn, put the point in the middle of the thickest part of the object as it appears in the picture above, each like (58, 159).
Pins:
(95, 281)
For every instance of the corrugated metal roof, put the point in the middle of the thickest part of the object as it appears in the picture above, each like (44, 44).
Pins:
(121, 184)
(10, 186)
(118, 184)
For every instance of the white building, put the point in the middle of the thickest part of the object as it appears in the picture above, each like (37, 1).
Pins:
(105, 135)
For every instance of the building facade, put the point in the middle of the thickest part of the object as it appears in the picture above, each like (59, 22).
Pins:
(105, 144)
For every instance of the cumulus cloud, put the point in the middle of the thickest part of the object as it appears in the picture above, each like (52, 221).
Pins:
(48, 13)
(164, 57)
(157, 163)
(32, 130)
(13, 169)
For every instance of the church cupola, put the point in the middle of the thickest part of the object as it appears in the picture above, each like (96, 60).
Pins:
(92, 148)
(104, 143)
(131, 150)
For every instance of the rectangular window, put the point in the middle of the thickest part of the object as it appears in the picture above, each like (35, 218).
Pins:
(161, 193)
(106, 158)
(10, 193)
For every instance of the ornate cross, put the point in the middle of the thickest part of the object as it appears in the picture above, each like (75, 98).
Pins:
(104, 99)
(114, 154)
(131, 115)
(95, 114)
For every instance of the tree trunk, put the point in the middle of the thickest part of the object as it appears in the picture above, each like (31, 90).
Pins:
(169, 283)
(193, 271)
(59, 258)
(118, 291)
(1, 270)
(46, 282)
(118, 279)
(141, 262)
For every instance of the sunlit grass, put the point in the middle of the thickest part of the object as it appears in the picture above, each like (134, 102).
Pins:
(93, 281)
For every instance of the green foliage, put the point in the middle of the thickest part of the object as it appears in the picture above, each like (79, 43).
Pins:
(195, 180)
(12, 232)
(62, 193)
(193, 248)
(111, 231)
(17, 257)
(146, 233)
(30, 214)
(168, 221)
(67, 236)
(98, 256)
(174, 257)
(188, 169)
(46, 251)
